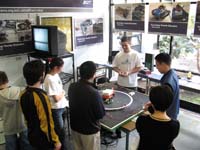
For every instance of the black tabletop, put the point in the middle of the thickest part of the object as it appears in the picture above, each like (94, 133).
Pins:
(114, 119)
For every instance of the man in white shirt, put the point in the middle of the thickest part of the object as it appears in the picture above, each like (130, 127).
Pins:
(127, 64)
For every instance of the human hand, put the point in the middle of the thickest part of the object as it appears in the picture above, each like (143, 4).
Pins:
(147, 105)
(57, 146)
(124, 73)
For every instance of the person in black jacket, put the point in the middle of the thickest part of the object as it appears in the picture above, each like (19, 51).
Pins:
(157, 130)
(36, 108)
(86, 109)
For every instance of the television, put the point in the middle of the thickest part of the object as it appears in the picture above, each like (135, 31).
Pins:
(149, 61)
(48, 40)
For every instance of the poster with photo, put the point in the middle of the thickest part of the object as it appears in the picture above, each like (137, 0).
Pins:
(15, 36)
(169, 18)
(197, 22)
(88, 31)
(43, 5)
(130, 17)
(64, 25)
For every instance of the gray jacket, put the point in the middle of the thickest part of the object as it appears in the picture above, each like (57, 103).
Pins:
(13, 119)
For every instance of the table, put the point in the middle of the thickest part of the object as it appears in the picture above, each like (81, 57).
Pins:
(114, 119)
(192, 85)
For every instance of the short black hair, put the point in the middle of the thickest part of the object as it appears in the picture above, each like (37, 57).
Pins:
(33, 71)
(163, 58)
(3, 78)
(125, 39)
(87, 70)
(56, 62)
(161, 97)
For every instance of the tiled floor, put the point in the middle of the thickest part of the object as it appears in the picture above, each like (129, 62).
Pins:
(188, 139)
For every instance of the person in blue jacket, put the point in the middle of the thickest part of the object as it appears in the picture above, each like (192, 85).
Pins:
(169, 78)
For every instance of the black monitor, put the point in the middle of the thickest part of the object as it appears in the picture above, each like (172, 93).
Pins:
(48, 40)
(149, 61)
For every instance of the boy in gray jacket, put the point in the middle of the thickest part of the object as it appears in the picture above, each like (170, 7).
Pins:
(13, 122)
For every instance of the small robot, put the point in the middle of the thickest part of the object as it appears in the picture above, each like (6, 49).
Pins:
(108, 95)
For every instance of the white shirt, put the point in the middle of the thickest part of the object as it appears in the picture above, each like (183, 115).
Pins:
(126, 62)
(53, 86)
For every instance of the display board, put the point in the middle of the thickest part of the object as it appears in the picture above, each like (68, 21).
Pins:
(15, 36)
(64, 24)
(197, 20)
(130, 17)
(168, 18)
(42, 5)
(88, 31)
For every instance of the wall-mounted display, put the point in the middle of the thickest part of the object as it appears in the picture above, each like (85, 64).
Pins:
(88, 31)
(169, 18)
(197, 23)
(64, 25)
(15, 36)
(130, 16)
(43, 5)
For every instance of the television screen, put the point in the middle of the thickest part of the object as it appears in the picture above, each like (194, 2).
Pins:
(40, 38)
(48, 40)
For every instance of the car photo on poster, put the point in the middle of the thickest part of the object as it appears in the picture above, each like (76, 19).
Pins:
(89, 26)
(160, 13)
(123, 12)
(13, 31)
(180, 13)
(138, 12)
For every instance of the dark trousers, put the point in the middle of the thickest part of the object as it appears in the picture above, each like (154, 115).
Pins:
(18, 141)
(59, 126)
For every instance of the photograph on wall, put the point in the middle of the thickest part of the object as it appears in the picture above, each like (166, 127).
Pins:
(15, 36)
(130, 16)
(64, 25)
(43, 5)
(197, 22)
(88, 31)
(169, 18)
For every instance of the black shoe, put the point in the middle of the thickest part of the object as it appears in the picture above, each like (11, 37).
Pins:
(118, 133)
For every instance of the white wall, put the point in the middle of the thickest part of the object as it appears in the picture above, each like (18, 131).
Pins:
(96, 52)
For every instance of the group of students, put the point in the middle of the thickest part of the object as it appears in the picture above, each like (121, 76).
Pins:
(157, 130)
(43, 108)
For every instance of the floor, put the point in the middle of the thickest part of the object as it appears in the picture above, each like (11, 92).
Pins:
(188, 138)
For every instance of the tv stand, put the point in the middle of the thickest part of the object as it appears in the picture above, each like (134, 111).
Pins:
(65, 77)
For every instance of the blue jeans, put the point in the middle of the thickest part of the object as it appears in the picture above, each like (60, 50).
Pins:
(18, 141)
(59, 125)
